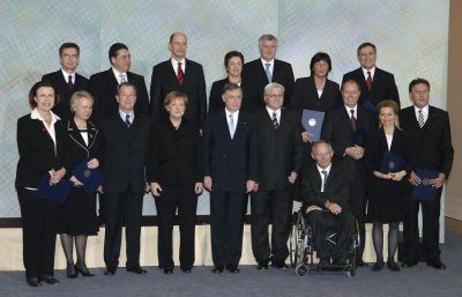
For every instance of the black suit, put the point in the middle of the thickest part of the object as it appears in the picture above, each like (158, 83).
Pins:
(338, 130)
(230, 162)
(103, 87)
(279, 154)
(39, 216)
(175, 163)
(123, 164)
(338, 189)
(164, 80)
(255, 78)
(216, 101)
(383, 86)
(63, 109)
(431, 149)
(305, 95)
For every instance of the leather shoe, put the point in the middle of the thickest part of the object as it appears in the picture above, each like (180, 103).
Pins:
(263, 264)
(186, 269)
(408, 263)
(279, 264)
(71, 271)
(137, 270)
(392, 266)
(232, 268)
(111, 270)
(33, 282)
(218, 269)
(437, 264)
(83, 270)
(49, 279)
(377, 266)
(168, 270)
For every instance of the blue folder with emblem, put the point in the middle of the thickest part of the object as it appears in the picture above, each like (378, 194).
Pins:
(358, 135)
(54, 193)
(90, 178)
(425, 191)
(392, 163)
(312, 123)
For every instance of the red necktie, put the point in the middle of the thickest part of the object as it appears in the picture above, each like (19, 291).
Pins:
(70, 84)
(369, 81)
(353, 119)
(180, 74)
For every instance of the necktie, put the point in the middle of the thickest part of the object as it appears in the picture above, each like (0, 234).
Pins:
(232, 127)
(268, 72)
(274, 119)
(70, 84)
(324, 179)
(123, 78)
(180, 74)
(353, 119)
(369, 81)
(127, 120)
(421, 119)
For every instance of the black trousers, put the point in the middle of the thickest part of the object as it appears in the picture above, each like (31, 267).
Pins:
(429, 247)
(120, 209)
(185, 200)
(324, 221)
(40, 225)
(226, 222)
(270, 207)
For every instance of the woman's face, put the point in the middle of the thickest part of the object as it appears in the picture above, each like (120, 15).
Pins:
(45, 98)
(234, 67)
(321, 68)
(176, 108)
(387, 117)
(83, 108)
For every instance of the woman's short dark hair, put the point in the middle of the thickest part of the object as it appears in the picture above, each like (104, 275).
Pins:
(320, 56)
(34, 89)
(233, 54)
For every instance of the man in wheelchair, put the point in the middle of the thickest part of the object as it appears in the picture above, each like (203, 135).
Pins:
(326, 192)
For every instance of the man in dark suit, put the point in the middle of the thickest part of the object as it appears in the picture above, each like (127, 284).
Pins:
(345, 128)
(376, 84)
(266, 69)
(66, 80)
(179, 74)
(230, 169)
(125, 140)
(429, 130)
(103, 85)
(279, 163)
(327, 193)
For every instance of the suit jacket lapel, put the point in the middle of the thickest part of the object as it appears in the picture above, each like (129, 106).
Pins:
(113, 79)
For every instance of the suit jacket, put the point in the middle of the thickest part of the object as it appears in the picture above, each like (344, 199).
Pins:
(338, 187)
(230, 162)
(383, 86)
(431, 145)
(305, 95)
(103, 87)
(164, 80)
(124, 152)
(63, 109)
(255, 77)
(36, 151)
(280, 151)
(216, 101)
(175, 155)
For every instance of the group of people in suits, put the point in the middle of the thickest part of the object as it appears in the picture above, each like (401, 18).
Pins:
(249, 142)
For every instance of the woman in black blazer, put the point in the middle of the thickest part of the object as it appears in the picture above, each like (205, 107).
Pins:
(41, 139)
(388, 188)
(78, 214)
(234, 63)
(174, 171)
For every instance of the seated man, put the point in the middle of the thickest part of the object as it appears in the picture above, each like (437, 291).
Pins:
(326, 192)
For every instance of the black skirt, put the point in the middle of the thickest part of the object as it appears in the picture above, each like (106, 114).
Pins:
(387, 200)
(78, 214)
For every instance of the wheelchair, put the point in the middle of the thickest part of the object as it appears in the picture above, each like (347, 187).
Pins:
(302, 250)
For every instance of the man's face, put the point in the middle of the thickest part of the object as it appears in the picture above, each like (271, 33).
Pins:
(122, 61)
(268, 49)
(367, 57)
(350, 94)
(323, 155)
(69, 59)
(232, 99)
(275, 98)
(178, 46)
(126, 98)
(420, 95)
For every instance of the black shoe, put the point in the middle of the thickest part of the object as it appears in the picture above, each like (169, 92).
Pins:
(377, 266)
(409, 263)
(360, 263)
(323, 262)
(49, 279)
(218, 269)
(232, 268)
(436, 263)
(83, 270)
(263, 264)
(279, 264)
(111, 270)
(186, 269)
(392, 265)
(137, 270)
(71, 271)
(33, 282)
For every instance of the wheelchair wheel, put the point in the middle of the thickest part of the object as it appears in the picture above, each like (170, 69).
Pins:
(296, 240)
(351, 273)
(301, 269)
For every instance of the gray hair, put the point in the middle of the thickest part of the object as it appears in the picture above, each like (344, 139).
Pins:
(274, 85)
(320, 142)
(77, 96)
(266, 37)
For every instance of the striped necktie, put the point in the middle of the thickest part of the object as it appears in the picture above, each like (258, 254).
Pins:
(274, 119)
(421, 119)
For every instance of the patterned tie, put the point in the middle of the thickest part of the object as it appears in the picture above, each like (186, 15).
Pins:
(274, 119)
(232, 127)
(369, 81)
(353, 119)
(70, 84)
(421, 119)
(180, 75)
(324, 179)
(269, 75)
(127, 120)
(123, 78)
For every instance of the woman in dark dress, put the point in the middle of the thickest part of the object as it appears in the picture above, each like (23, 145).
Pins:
(41, 139)
(174, 171)
(387, 155)
(78, 214)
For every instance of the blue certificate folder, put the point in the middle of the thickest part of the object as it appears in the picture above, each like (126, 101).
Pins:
(425, 191)
(54, 193)
(392, 163)
(90, 178)
(358, 135)
(312, 123)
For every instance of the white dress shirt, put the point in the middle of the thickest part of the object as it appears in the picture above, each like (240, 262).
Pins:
(175, 65)
(424, 112)
(66, 76)
(355, 113)
(232, 125)
(35, 115)
(117, 75)
(123, 115)
(271, 66)
(372, 71)
(278, 114)
(323, 177)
